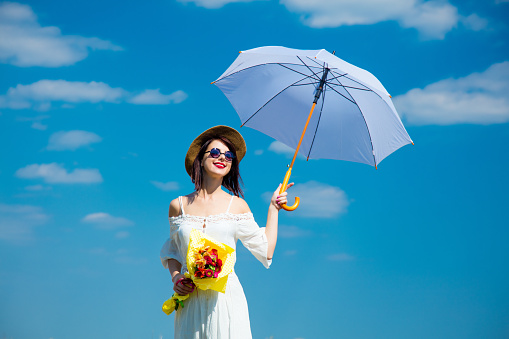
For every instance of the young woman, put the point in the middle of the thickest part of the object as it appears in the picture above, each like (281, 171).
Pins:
(212, 161)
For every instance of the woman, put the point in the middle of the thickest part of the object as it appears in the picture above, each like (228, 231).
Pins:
(212, 161)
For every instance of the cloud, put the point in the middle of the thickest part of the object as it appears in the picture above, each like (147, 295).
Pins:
(474, 22)
(17, 222)
(318, 200)
(41, 94)
(166, 186)
(122, 235)
(154, 97)
(35, 188)
(106, 221)
(340, 257)
(212, 4)
(55, 174)
(24, 42)
(71, 140)
(280, 148)
(38, 126)
(478, 98)
(285, 231)
(433, 19)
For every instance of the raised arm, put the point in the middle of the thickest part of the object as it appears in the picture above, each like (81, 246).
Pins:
(272, 219)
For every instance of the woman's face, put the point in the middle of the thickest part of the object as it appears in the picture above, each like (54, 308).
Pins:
(216, 167)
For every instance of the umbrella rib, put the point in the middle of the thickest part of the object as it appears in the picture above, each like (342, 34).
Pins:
(265, 104)
(310, 83)
(332, 88)
(309, 76)
(264, 64)
(318, 123)
(315, 62)
(317, 77)
(360, 89)
(367, 128)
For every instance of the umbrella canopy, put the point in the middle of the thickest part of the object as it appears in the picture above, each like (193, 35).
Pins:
(272, 89)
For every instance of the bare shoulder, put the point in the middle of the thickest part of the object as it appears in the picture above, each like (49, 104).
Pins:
(239, 206)
(174, 208)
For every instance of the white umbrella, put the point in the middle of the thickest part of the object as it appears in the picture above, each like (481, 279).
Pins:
(275, 90)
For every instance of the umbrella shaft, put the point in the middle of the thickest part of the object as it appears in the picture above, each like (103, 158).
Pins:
(319, 90)
(302, 135)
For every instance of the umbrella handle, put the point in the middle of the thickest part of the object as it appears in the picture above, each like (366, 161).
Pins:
(283, 188)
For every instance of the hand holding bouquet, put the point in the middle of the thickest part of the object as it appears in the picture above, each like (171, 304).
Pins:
(209, 263)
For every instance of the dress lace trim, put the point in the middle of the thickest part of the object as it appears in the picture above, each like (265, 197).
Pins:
(176, 221)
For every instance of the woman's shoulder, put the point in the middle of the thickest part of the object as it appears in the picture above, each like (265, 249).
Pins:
(239, 206)
(174, 208)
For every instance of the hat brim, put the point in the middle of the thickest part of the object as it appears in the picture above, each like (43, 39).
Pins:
(217, 131)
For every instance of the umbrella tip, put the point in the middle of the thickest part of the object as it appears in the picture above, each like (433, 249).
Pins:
(213, 82)
(412, 143)
(240, 52)
(333, 52)
(376, 167)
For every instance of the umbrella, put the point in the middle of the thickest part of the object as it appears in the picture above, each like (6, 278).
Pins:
(275, 90)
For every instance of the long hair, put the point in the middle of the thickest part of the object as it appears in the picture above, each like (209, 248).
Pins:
(232, 181)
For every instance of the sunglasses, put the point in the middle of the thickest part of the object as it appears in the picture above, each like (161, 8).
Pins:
(215, 153)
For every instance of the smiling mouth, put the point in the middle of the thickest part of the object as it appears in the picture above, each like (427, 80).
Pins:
(219, 165)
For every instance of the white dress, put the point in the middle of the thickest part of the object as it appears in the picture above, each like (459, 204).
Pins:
(210, 314)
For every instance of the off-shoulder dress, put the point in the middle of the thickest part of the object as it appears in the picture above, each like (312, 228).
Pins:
(210, 314)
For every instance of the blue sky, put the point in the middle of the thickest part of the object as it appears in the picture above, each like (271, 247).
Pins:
(100, 100)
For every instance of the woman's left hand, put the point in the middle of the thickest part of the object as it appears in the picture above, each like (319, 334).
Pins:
(280, 199)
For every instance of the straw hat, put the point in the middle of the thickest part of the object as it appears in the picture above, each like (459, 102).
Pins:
(224, 131)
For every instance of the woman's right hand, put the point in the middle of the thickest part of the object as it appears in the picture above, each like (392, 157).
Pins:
(182, 285)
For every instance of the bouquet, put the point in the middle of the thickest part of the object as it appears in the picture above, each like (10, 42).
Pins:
(209, 263)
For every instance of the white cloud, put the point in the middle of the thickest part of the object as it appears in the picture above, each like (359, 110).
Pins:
(106, 221)
(71, 140)
(474, 22)
(55, 173)
(166, 186)
(41, 94)
(45, 91)
(479, 98)
(285, 231)
(34, 188)
(17, 222)
(155, 97)
(280, 148)
(212, 4)
(24, 43)
(38, 126)
(340, 257)
(122, 235)
(433, 19)
(317, 200)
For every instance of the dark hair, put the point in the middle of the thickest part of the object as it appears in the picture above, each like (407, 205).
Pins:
(231, 180)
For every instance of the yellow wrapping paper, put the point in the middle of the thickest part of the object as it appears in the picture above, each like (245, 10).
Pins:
(198, 240)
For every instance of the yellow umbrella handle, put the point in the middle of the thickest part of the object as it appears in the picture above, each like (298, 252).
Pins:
(283, 188)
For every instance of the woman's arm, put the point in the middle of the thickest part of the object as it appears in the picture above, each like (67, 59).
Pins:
(272, 219)
(173, 265)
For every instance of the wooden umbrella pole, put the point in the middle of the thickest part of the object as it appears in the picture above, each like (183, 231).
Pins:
(289, 171)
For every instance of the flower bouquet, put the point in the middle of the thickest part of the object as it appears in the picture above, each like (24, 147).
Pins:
(209, 262)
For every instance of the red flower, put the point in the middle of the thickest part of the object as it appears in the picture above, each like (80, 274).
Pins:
(209, 273)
